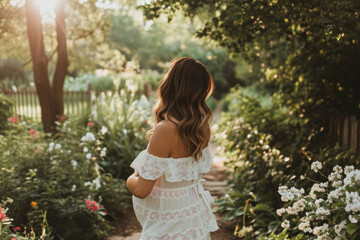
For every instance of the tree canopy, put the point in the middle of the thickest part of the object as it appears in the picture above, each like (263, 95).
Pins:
(308, 49)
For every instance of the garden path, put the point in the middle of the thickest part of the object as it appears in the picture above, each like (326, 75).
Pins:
(128, 228)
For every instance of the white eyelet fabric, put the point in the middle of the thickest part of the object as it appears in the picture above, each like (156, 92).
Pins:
(178, 207)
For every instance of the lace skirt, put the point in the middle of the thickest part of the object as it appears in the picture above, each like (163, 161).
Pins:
(179, 213)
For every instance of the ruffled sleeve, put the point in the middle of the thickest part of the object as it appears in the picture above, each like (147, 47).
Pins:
(175, 169)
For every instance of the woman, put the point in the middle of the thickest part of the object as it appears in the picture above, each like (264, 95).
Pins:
(168, 197)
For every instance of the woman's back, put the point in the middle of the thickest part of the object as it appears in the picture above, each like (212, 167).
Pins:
(168, 196)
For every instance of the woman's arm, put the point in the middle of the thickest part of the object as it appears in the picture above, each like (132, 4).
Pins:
(160, 145)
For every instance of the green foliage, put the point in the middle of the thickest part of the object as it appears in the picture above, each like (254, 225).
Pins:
(307, 52)
(81, 83)
(328, 208)
(282, 236)
(153, 46)
(125, 119)
(13, 73)
(267, 146)
(57, 176)
(5, 104)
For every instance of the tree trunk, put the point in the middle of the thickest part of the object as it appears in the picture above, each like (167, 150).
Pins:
(40, 65)
(61, 64)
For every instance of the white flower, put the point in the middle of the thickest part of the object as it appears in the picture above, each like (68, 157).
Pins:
(58, 146)
(96, 182)
(87, 184)
(348, 169)
(285, 224)
(352, 201)
(280, 211)
(104, 130)
(86, 149)
(318, 202)
(320, 229)
(352, 219)
(322, 211)
(89, 137)
(305, 225)
(352, 178)
(51, 146)
(339, 227)
(248, 136)
(88, 155)
(316, 166)
(103, 152)
(337, 184)
(94, 114)
(73, 188)
(318, 187)
(74, 163)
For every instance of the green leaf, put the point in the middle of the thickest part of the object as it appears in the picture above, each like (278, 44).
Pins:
(351, 228)
(262, 207)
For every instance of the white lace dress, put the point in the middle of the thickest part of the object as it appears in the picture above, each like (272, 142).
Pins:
(178, 207)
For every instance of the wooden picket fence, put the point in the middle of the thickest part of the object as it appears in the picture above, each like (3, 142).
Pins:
(26, 103)
(345, 131)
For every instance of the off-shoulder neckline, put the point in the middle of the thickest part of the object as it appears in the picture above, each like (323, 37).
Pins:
(146, 150)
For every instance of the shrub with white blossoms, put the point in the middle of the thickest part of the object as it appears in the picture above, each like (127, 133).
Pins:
(331, 210)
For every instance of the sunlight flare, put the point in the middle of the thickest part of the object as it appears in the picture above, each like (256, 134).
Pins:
(47, 7)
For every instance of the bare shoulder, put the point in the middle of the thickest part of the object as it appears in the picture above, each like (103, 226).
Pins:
(166, 127)
(162, 139)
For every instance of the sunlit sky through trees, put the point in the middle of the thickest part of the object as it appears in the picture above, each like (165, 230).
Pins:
(47, 7)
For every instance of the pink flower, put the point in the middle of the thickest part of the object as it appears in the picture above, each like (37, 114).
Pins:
(16, 229)
(90, 124)
(91, 205)
(13, 239)
(34, 133)
(14, 119)
(2, 216)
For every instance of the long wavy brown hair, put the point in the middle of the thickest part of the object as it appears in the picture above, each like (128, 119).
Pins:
(181, 99)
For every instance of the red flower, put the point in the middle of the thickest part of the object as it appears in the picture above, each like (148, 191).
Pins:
(14, 119)
(16, 229)
(91, 205)
(90, 124)
(2, 216)
(34, 133)
(145, 122)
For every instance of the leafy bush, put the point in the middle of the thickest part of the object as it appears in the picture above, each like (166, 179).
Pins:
(81, 83)
(266, 146)
(4, 112)
(331, 208)
(125, 118)
(59, 176)
(13, 72)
